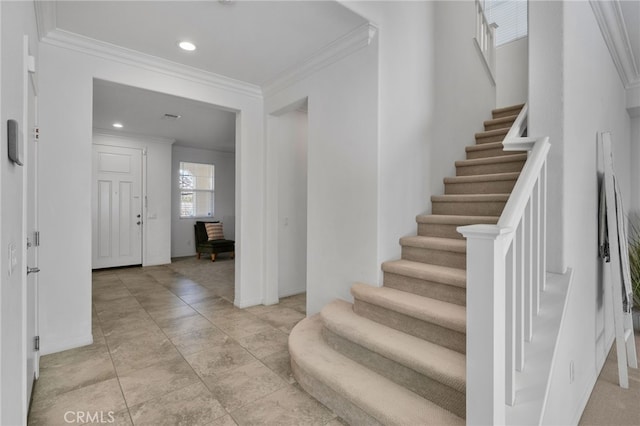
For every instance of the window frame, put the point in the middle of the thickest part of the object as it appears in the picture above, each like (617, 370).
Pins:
(184, 165)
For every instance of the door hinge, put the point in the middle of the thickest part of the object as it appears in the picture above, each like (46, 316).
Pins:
(36, 238)
(36, 134)
(36, 343)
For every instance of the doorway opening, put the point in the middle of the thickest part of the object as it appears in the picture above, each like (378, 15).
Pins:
(288, 142)
(148, 136)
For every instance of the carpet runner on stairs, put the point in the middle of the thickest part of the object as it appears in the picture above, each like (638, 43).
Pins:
(397, 354)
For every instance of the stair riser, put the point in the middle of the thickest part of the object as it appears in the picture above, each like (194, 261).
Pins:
(439, 230)
(435, 333)
(487, 169)
(340, 405)
(496, 126)
(490, 187)
(487, 208)
(495, 152)
(421, 384)
(488, 139)
(435, 257)
(431, 289)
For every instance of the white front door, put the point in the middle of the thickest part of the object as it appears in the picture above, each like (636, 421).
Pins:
(31, 199)
(117, 206)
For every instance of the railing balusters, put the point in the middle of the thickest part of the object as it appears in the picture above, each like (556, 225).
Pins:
(518, 242)
(528, 281)
(536, 248)
(506, 266)
(510, 343)
(543, 226)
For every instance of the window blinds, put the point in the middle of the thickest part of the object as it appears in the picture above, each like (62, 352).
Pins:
(511, 17)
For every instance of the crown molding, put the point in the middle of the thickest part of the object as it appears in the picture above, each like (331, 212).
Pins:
(614, 31)
(351, 42)
(111, 52)
(45, 17)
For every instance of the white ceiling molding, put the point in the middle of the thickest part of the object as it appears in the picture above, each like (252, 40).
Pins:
(611, 22)
(355, 40)
(45, 17)
(115, 53)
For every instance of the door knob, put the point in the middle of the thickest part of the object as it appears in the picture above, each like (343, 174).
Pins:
(32, 270)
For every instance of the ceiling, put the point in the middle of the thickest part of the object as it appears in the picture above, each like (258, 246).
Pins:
(141, 112)
(631, 14)
(249, 41)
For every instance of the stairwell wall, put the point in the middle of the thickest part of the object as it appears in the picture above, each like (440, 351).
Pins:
(464, 92)
(594, 101)
(406, 116)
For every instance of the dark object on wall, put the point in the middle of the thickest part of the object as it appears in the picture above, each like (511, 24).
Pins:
(212, 247)
(13, 139)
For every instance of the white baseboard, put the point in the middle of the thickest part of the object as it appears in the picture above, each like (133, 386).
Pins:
(247, 303)
(50, 347)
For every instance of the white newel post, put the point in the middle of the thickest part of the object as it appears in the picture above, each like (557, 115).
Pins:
(486, 313)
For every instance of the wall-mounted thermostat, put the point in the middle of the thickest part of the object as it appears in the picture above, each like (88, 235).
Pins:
(15, 145)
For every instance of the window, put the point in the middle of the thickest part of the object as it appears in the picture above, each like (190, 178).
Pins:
(511, 17)
(196, 182)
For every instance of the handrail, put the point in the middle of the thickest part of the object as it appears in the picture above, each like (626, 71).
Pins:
(506, 271)
(485, 40)
(519, 198)
(517, 128)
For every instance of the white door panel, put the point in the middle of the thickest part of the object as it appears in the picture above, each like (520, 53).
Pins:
(31, 200)
(117, 206)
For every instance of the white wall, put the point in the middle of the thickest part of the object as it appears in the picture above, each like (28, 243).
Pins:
(182, 234)
(546, 114)
(156, 182)
(342, 178)
(512, 73)
(407, 99)
(291, 136)
(464, 93)
(17, 19)
(594, 101)
(66, 104)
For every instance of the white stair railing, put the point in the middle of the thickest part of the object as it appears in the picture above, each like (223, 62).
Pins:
(505, 276)
(485, 39)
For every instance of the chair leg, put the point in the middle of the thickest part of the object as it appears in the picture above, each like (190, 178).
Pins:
(233, 254)
(213, 257)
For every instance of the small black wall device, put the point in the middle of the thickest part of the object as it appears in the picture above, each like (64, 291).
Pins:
(13, 138)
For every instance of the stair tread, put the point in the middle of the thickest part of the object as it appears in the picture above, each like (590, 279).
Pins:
(478, 198)
(507, 108)
(423, 308)
(435, 243)
(489, 133)
(485, 147)
(491, 160)
(450, 219)
(383, 399)
(506, 119)
(491, 177)
(426, 271)
(437, 362)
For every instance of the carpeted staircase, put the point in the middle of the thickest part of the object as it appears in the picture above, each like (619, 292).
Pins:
(397, 354)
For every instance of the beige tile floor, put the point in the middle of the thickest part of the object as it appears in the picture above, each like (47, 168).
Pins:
(170, 348)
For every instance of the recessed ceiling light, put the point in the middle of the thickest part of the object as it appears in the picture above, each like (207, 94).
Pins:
(117, 125)
(187, 45)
